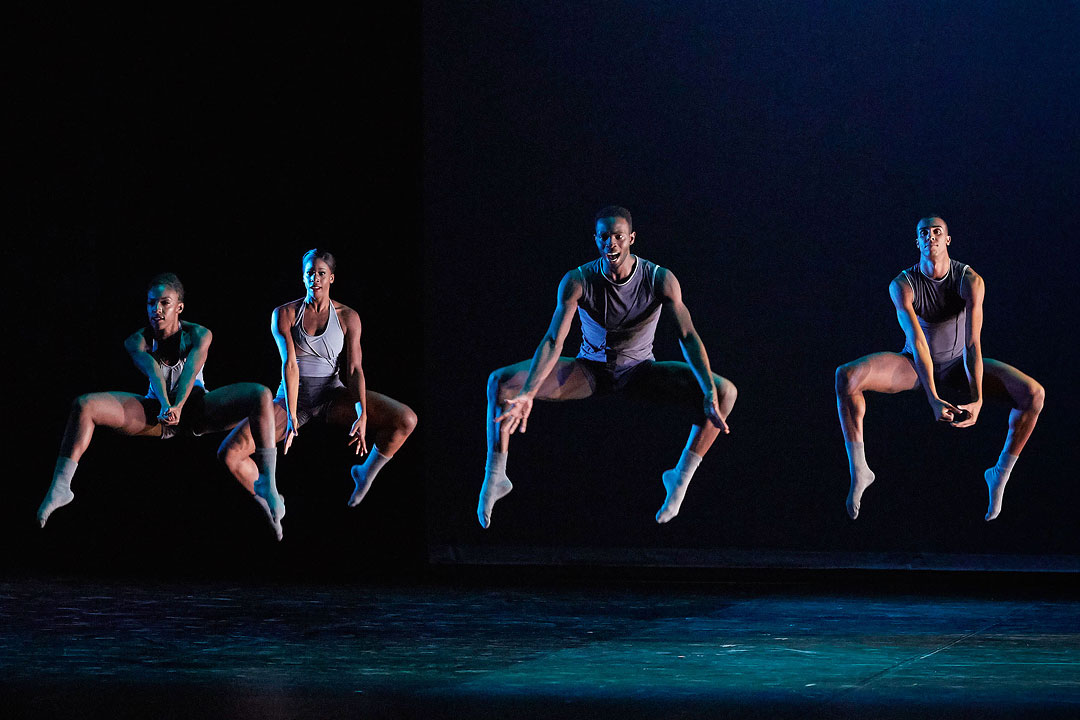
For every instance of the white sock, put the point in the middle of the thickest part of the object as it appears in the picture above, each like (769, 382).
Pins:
(496, 485)
(364, 475)
(861, 477)
(59, 493)
(266, 484)
(996, 477)
(275, 522)
(675, 482)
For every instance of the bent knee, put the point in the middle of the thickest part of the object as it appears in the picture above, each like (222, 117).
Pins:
(846, 379)
(498, 385)
(406, 421)
(1037, 397)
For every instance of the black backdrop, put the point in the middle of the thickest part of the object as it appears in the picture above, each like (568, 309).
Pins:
(776, 157)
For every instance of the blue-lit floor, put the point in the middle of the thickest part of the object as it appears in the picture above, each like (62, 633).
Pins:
(74, 649)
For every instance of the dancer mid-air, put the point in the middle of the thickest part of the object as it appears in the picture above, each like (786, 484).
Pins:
(322, 376)
(618, 297)
(939, 303)
(171, 353)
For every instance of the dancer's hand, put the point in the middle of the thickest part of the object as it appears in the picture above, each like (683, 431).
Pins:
(290, 432)
(170, 415)
(516, 411)
(972, 410)
(944, 411)
(356, 435)
(712, 412)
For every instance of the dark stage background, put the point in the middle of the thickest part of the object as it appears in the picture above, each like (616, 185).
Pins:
(775, 156)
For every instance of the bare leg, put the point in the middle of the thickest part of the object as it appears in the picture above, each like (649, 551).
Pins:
(122, 412)
(881, 372)
(566, 382)
(1027, 397)
(392, 421)
(249, 451)
(675, 380)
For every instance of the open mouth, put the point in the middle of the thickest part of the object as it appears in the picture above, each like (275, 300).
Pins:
(613, 257)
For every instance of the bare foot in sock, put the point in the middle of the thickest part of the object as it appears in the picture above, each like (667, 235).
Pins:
(859, 482)
(57, 498)
(265, 489)
(676, 490)
(995, 484)
(362, 483)
(275, 522)
(494, 488)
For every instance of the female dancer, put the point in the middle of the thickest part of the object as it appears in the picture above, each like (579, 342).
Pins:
(322, 376)
(171, 353)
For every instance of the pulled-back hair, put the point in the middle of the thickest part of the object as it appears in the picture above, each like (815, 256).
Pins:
(614, 211)
(316, 254)
(169, 280)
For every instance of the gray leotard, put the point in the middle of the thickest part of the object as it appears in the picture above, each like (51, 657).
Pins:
(172, 372)
(941, 311)
(618, 320)
(317, 357)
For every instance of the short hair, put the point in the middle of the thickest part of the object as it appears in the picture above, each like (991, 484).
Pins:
(169, 280)
(931, 215)
(317, 254)
(614, 211)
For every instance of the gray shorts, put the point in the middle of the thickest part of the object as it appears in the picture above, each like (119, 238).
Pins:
(314, 398)
(192, 418)
(950, 379)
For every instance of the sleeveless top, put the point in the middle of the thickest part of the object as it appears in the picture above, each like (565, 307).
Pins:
(171, 372)
(317, 357)
(941, 311)
(618, 320)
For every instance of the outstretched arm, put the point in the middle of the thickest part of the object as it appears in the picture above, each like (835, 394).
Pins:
(972, 292)
(281, 323)
(354, 378)
(517, 409)
(903, 298)
(693, 349)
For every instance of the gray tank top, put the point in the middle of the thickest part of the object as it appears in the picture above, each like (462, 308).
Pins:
(317, 355)
(172, 373)
(618, 320)
(941, 311)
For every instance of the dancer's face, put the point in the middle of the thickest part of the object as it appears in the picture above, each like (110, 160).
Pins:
(163, 308)
(317, 278)
(932, 237)
(613, 240)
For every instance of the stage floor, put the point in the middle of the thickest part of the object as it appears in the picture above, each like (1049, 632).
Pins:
(78, 649)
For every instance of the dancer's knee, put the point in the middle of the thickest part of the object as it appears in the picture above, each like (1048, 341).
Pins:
(233, 451)
(497, 385)
(1036, 398)
(846, 382)
(406, 422)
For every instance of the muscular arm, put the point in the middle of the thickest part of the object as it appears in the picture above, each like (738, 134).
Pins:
(200, 346)
(354, 376)
(139, 350)
(547, 353)
(281, 322)
(902, 297)
(972, 292)
(517, 409)
(693, 349)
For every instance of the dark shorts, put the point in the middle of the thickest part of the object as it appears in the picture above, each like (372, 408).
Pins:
(950, 379)
(192, 418)
(647, 381)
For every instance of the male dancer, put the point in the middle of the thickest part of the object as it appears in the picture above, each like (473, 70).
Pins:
(939, 305)
(171, 352)
(618, 297)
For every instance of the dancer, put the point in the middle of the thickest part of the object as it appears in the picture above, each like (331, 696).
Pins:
(171, 352)
(618, 297)
(322, 376)
(939, 305)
